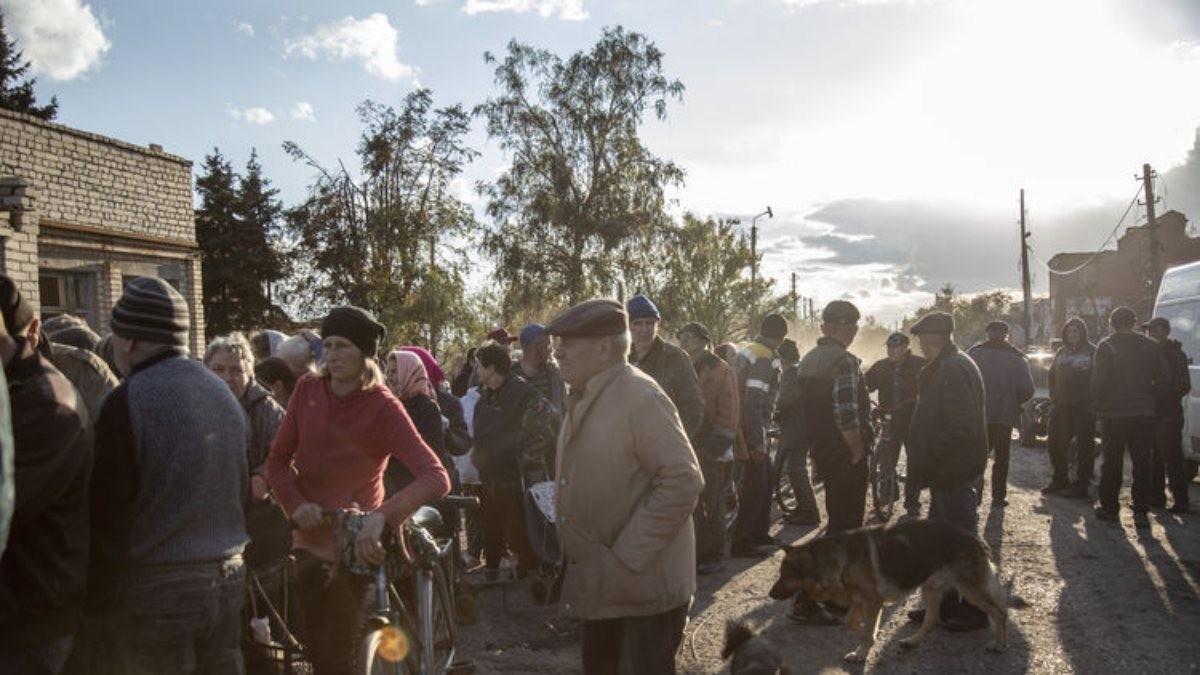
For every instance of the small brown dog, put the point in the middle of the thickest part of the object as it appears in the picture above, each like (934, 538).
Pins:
(868, 568)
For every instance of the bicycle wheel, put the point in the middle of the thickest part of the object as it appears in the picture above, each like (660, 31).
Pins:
(733, 491)
(386, 651)
(785, 495)
(883, 481)
(435, 620)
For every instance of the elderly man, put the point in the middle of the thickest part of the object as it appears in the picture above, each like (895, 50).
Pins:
(628, 481)
(948, 443)
(1007, 384)
(536, 367)
(1129, 376)
(669, 365)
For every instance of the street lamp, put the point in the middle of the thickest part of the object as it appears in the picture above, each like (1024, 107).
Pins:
(754, 262)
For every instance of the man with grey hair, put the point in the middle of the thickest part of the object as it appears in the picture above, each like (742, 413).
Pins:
(627, 483)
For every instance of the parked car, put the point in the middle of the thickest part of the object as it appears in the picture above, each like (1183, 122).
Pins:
(1179, 302)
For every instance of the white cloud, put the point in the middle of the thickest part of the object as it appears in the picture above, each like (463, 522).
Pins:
(715, 23)
(801, 4)
(567, 10)
(303, 111)
(255, 115)
(245, 29)
(61, 38)
(372, 41)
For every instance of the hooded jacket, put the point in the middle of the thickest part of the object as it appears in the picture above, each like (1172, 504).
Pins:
(1006, 380)
(947, 441)
(1070, 374)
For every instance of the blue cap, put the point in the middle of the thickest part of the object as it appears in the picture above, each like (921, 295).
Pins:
(641, 307)
(531, 332)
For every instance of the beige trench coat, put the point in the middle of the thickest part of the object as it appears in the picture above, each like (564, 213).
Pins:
(628, 481)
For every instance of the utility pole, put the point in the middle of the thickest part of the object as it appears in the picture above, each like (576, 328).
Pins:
(795, 299)
(1156, 271)
(1025, 283)
(754, 265)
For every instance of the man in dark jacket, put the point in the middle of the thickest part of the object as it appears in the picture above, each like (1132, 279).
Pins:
(1130, 375)
(170, 485)
(948, 443)
(895, 378)
(793, 436)
(758, 381)
(43, 570)
(1072, 412)
(1167, 464)
(515, 435)
(669, 365)
(1008, 384)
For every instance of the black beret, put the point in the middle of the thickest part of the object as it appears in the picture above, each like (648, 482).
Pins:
(590, 318)
(933, 322)
(697, 329)
(840, 311)
(356, 325)
(17, 312)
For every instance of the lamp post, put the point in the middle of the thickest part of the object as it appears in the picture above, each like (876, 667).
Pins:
(754, 263)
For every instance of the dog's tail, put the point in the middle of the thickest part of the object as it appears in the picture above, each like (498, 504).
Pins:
(736, 634)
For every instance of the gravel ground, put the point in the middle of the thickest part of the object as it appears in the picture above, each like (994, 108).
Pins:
(1088, 597)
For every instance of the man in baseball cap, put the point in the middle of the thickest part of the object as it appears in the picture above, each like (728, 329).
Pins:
(538, 369)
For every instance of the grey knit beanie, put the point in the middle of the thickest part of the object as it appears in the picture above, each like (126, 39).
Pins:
(153, 311)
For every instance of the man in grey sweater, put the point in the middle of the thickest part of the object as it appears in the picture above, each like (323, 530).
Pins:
(1129, 374)
(168, 491)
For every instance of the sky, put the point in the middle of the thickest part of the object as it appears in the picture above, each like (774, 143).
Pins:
(889, 137)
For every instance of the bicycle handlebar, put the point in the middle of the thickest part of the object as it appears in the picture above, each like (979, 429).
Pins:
(459, 501)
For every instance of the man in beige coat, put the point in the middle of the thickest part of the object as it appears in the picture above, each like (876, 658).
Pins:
(628, 482)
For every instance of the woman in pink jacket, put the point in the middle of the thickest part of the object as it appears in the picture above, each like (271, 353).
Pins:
(341, 428)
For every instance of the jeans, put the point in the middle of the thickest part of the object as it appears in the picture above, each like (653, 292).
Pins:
(641, 645)
(46, 658)
(1000, 443)
(846, 494)
(180, 619)
(1167, 467)
(1072, 422)
(754, 512)
(709, 518)
(956, 504)
(1135, 435)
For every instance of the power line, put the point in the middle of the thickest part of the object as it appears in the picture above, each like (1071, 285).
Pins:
(1100, 250)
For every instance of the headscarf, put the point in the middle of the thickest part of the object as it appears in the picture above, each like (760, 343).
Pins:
(436, 375)
(410, 379)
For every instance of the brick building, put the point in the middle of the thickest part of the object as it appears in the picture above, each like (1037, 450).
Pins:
(1120, 277)
(82, 214)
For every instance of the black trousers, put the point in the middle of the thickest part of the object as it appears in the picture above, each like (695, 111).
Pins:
(1069, 423)
(754, 506)
(504, 526)
(1000, 443)
(641, 645)
(331, 602)
(1136, 436)
(1167, 465)
(709, 518)
(845, 494)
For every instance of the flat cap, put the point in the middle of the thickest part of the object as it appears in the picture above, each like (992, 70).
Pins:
(1159, 323)
(697, 329)
(591, 318)
(997, 327)
(840, 311)
(933, 322)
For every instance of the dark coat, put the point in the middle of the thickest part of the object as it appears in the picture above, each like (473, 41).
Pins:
(1070, 375)
(458, 434)
(264, 417)
(1130, 376)
(789, 411)
(947, 439)
(1006, 379)
(897, 387)
(672, 369)
(1169, 403)
(43, 572)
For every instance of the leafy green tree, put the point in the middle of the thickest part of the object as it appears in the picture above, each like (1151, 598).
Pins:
(16, 93)
(388, 237)
(581, 185)
(237, 227)
(971, 313)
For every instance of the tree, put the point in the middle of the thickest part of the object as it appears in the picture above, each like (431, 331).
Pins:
(971, 313)
(236, 226)
(385, 238)
(16, 94)
(581, 183)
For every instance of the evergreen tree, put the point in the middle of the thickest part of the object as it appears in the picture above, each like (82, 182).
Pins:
(215, 230)
(260, 212)
(15, 94)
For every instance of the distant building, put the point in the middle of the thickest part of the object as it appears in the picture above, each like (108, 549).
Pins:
(1098, 282)
(82, 214)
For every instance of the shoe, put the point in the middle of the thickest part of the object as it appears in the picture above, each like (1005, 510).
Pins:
(804, 519)
(999, 503)
(1178, 508)
(706, 568)
(752, 553)
(1105, 514)
(1055, 486)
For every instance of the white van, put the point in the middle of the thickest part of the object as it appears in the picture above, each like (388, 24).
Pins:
(1179, 302)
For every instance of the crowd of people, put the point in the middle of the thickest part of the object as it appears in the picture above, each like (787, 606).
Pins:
(139, 483)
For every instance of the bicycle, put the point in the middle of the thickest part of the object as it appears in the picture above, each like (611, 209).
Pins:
(885, 487)
(781, 480)
(411, 627)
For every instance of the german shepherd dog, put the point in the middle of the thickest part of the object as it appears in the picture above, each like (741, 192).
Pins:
(868, 568)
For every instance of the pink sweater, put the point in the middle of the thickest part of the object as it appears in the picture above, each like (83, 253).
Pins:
(332, 451)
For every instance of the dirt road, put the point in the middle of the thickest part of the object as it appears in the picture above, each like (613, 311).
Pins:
(1094, 597)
